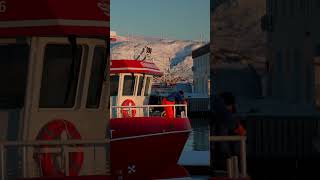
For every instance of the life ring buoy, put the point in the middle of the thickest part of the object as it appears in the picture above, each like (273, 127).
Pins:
(47, 161)
(128, 112)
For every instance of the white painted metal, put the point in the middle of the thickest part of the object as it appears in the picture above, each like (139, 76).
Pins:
(201, 75)
(148, 107)
(84, 119)
(64, 148)
(138, 100)
(243, 156)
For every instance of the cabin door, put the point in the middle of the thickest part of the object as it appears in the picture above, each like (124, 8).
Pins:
(133, 92)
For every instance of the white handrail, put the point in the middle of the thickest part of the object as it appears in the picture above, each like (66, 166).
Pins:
(144, 106)
(48, 149)
(243, 155)
(2, 161)
(151, 106)
(53, 142)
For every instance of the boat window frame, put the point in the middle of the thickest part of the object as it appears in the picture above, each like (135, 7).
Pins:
(134, 86)
(83, 61)
(81, 85)
(27, 41)
(119, 81)
(143, 76)
(150, 86)
(89, 70)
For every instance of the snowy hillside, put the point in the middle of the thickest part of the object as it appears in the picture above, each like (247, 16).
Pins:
(172, 56)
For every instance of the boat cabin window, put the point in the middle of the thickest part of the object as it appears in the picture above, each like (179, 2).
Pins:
(147, 90)
(96, 77)
(140, 85)
(114, 85)
(13, 74)
(129, 82)
(60, 76)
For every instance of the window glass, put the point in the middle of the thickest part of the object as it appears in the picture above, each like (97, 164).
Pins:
(60, 76)
(147, 89)
(13, 74)
(140, 85)
(284, 8)
(96, 77)
(128, 85)
(317, 81)
(114, 85)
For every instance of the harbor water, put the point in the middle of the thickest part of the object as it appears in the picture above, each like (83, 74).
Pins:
(196, 150)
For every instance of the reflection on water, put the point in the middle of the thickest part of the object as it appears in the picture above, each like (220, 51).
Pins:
(198, 139)
(196, 150)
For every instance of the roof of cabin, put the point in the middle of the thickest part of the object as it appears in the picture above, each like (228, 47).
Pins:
(54, 18)
(134, 66)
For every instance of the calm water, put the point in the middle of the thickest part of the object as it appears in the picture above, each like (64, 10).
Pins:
(198, 139)
(196, 150)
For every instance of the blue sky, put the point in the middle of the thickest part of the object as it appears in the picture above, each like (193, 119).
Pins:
(176, 19)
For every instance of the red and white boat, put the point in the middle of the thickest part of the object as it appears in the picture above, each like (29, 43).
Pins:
(144, 145)
(54, 108)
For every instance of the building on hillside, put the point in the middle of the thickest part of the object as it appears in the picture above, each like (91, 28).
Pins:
(201, 70)
(199, 98)
(113, 35)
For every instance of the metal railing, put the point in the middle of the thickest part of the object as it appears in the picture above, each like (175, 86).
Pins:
(148, 110)
(243, 156)
(66, 147)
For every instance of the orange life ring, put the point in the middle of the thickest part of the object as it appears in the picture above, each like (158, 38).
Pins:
(126, 112)
(46, 161)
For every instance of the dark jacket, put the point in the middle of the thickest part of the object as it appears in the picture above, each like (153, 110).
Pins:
(175, 96)
(222, 122)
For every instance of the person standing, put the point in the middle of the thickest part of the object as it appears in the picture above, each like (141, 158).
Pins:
(172, 99)
(223, 123)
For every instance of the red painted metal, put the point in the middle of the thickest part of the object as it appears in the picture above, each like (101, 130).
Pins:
(145, 148)
(153, 147)
(126, 112)
(54, 18)
(134, 66)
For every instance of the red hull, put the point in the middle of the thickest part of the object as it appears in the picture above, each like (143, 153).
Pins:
(145, 148)
(152, 150)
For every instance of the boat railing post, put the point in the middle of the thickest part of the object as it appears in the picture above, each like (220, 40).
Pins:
(111, 111)
(2, 162)
(229, 168)
(186, 110)
(24, 159)
(243, 156)
(66, 159)
(148, 111)
(174, 111)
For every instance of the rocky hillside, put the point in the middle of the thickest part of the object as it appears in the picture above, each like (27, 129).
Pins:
(236, 32)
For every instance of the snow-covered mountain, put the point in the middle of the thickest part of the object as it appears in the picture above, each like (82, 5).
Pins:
(173, 57)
